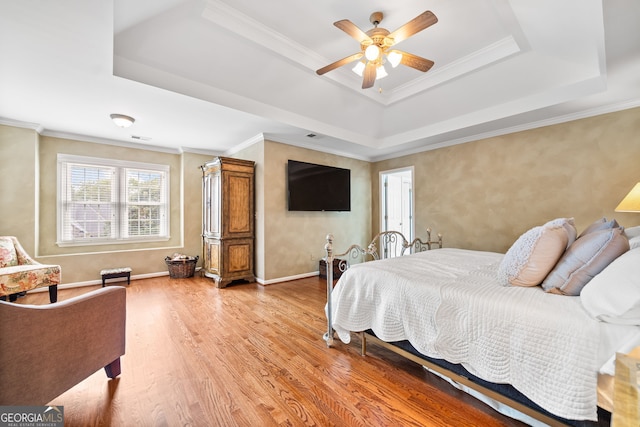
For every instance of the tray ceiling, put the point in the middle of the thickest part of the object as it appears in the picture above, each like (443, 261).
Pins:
(213, 75)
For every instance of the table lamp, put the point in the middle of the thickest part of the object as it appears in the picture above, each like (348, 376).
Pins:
(631, 202)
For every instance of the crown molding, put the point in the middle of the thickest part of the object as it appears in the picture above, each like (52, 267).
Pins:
(20, 124)
(296, 142)
(480, 58)
(245, 144)
(107, 141)
(235, 21)
(593, 112)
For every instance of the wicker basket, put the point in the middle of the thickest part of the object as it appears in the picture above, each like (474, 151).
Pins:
(181, 268)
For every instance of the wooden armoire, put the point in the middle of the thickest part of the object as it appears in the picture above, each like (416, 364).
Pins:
(228, 220)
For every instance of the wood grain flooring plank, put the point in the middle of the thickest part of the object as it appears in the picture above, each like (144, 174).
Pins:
(252, 355)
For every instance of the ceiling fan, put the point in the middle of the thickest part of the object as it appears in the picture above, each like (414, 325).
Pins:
(375, 47)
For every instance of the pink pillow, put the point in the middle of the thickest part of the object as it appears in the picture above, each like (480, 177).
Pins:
(536, 252)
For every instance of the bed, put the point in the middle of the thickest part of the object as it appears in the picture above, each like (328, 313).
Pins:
(535, 350)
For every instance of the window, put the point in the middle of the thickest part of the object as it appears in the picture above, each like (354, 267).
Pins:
(111, 201)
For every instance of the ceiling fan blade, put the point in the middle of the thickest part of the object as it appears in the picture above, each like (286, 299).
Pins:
(417, 24)
(415, 61)
(340, 63)
(351, 29)
(369, 75)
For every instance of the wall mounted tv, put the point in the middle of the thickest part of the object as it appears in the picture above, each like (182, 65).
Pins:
(314, 187)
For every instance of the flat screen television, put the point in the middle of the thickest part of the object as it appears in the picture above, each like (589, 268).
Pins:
(314, 187)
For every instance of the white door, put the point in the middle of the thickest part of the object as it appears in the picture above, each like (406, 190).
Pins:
(396, 201)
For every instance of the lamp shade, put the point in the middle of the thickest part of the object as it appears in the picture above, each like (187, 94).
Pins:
(359, 68)
(381, 72)
(631, 202)
(122, 120)
(394, 58)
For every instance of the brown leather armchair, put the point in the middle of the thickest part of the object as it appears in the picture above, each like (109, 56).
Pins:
(47, 349)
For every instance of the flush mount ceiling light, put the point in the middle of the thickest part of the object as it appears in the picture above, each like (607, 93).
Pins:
(122, 120)
(375, 47)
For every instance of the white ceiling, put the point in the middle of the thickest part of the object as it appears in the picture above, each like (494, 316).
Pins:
(213, 75)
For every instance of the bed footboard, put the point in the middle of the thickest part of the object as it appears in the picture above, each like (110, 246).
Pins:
(387, 244)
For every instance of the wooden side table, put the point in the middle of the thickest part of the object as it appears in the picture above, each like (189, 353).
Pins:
(336, 269)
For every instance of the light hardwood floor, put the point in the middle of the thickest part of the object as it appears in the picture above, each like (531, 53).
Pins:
(249, 355)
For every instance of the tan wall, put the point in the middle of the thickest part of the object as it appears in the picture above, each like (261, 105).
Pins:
(18, 191)
(287, 243)
(484, 194)
(295, 240)
(480, 195)
(37, 166)
(50, 147)
(192, 203)
(291, 243)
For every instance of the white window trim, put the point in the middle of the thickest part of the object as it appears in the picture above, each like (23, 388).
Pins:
(119, 164)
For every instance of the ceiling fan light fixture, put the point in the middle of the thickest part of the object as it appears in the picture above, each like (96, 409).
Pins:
(122, 120)
(375, 48)
(394, 57)
(381, 73)
(372, 52)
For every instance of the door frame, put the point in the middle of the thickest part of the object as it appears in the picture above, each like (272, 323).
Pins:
(383, 207)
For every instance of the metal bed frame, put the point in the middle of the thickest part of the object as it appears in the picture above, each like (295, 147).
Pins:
(387, 244)
(392, 243)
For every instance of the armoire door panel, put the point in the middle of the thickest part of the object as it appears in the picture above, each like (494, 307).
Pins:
(239, 215)
(239, 257)
(212, 256)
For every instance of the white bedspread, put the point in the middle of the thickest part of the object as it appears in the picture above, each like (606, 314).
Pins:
(447, 303)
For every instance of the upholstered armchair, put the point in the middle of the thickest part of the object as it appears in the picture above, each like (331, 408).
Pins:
(19, 272)
(47, 349)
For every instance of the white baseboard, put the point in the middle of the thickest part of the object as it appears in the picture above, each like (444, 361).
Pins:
(166, 273)
(286, 279)
(99, 281)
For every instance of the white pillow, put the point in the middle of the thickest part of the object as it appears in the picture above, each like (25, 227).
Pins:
(634, 242)
(613, 296)
(535, 253)
(632, 232)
